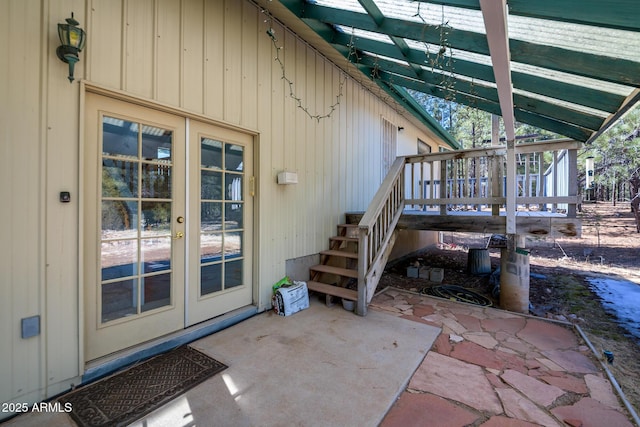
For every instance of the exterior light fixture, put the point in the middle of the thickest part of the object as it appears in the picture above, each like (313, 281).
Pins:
(72, 39)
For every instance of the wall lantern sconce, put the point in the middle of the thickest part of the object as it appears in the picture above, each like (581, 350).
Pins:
(72, 39)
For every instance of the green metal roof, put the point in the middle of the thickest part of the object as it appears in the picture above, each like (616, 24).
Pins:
(574, 65)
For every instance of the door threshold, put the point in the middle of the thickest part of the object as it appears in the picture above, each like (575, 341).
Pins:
(106, 365)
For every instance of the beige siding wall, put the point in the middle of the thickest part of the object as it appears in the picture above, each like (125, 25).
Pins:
(208, 57)
(39, 250)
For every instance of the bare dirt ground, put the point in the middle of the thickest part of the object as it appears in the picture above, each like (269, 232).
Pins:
(609, 247)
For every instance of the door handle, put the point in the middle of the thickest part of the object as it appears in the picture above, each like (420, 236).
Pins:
(179, 235)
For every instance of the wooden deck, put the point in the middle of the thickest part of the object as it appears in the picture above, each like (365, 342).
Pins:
(543, 224)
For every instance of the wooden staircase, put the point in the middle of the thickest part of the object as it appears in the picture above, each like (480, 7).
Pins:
(338, 268)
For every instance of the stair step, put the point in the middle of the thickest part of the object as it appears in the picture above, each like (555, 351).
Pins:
(344, 239)
(343, 254)
(332, 290)
(348, 230)
(335, 270)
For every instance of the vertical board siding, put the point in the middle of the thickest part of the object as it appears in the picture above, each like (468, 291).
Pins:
(232, 61)
(21, 252)
(250, 30)
(60, 145)
(214, 83)
(193, 57)
(103, 50)
(139, 67)
(168, 71)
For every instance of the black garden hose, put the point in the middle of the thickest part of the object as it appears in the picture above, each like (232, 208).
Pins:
(457, 293)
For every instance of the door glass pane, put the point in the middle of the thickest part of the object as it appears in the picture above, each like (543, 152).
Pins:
(232, 245)
(211, 185)
(119, 138)
(119, 219)
(233, 160)
(210, 216)
(119, 259)
(221, 216)
(136, 226)
(233, 186)
(156, 143)
(211, 153)
(210, 247)
(157, 291)
(119, 299)
(210, 279)
(156, 181)
(119, 178)
(233, 215)
(233, 274)
(156, 219)
(155, 254)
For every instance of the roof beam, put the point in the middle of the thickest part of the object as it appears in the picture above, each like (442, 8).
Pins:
(614, 70)
(579, 95)
(378, 17)
(535, 119)
(627, 106)
(494, 13)
(616, 14)
(440, 85)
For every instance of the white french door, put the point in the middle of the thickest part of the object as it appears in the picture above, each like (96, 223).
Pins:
(167, 223)
(221, 221)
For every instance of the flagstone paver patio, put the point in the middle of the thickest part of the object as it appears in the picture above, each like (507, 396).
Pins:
(493, 368)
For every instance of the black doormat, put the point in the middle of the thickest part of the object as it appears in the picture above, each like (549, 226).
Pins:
(125, 397)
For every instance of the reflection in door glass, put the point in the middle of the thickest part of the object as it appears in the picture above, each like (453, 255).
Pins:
(119, 138)
(119, 299)
(136, 212)
(157, 291)
(119, 178)
(211, 154)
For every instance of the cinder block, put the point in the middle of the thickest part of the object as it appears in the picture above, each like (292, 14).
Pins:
(412, 272)
(436, 275)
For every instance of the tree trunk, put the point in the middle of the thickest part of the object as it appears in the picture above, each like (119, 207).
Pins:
(634, 184)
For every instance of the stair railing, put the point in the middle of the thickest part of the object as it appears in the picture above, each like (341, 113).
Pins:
(376, 231)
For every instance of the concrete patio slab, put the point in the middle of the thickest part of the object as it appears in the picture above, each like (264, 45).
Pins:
(319, 367)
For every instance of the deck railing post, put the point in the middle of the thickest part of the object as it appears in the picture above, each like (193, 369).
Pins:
(443, 186)
(573, 181)
(363, 264)
(495, 182)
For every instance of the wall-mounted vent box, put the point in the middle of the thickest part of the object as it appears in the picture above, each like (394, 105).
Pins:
(287, 178)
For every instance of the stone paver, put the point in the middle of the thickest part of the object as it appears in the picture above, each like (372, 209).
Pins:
(499, 421)
(547, 336)
(572, 361)
(519, 407)
(600, 389)
(592, 414)
(453, 379)
(481, 338)
(566, 382)
(505, 369)
(537, 391)
(427, 410)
